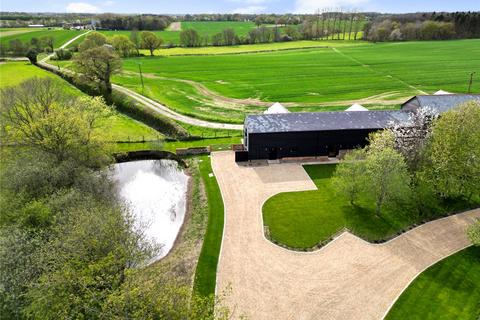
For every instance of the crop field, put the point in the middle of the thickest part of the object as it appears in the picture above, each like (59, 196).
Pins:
(226, 87)
(60, 36)
(118, 127)
(251, 48)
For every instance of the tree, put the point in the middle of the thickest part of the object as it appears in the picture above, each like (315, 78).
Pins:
(17, 47)
(190, 38)
(411, 136)
(474, 233)
(122, 45)
(150, 41)
(229, 37)
(349, 177)
(96, 66)
(48, 42)
(37, 114)
(32, 54)
(62, 54)
(92, 40)
(453, 152)
(258, 21)
(88, 256)
(387, 175)
(136, 40)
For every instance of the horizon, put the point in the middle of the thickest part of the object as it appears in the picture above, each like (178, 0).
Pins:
(236, 6)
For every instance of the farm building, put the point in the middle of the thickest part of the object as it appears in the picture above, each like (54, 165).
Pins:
(312, 134)
(439, 102)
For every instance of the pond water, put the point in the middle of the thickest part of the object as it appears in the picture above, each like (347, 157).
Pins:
(155, 191)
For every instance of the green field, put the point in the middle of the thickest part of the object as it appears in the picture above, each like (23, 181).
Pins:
(449, 289)
(304, 219)
(60, 36)
(385, 74)
(116, 128)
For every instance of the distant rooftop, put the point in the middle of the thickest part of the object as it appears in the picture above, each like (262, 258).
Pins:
(323, 121)
(439, 103)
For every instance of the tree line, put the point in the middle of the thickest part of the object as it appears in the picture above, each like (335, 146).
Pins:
(424, 26)
(132, 22)
(30, 49)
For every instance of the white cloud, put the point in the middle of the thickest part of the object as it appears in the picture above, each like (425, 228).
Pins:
(82, 7)
(250, 9)
(109, 3)
(310, 6)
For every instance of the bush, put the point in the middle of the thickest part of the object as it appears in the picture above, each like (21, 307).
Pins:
(62, 54)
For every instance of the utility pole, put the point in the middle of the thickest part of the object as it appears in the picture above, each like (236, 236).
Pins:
(141, 75)
(470, 82)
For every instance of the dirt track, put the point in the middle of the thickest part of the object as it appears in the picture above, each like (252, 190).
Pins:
(347, 279)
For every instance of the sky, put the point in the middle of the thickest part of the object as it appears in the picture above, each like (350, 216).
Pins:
(234, 6)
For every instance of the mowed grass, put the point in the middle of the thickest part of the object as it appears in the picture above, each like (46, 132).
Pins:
(206, 272)
(60, 36)
(304, 219)
(449, 289)
(306, 77)
(118, 127)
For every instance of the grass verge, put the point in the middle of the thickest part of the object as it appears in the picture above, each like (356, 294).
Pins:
(450, 289)
(206, 272)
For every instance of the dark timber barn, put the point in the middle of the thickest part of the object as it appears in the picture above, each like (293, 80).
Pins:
(313, 134)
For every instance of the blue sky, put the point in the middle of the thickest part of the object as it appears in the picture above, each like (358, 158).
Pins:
(231, 6)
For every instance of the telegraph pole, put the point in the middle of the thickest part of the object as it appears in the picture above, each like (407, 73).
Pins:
(470, 82)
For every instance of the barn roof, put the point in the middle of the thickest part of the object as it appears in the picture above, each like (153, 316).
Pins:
(323, 121)
(440, 103)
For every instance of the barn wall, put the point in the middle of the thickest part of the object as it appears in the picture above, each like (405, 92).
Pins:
(304, 144)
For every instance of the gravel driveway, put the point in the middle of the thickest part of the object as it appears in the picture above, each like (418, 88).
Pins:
(347, 279)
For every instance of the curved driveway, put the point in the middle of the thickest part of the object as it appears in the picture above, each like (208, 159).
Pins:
(347, 279)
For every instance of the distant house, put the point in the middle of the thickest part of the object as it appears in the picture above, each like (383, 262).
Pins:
(327, 134)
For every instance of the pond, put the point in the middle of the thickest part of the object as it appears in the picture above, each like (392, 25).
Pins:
(156, 193)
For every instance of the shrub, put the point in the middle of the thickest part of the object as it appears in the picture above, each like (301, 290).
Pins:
(62, 54)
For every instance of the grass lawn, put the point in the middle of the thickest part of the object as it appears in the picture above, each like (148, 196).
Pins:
(449, 289)
(304, 219)
(307, 78)
(60, 36)
(206, 272)
(116, 128)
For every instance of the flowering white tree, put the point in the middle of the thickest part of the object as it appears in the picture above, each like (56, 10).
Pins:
(412, 134)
